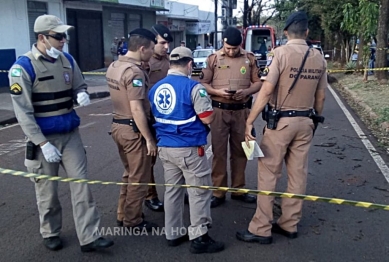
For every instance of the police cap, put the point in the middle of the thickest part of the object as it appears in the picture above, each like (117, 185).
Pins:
(143, 33)
(232, 36)
(163, 31)
(295, 18)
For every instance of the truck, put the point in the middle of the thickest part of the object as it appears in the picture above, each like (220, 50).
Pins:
(259, 39)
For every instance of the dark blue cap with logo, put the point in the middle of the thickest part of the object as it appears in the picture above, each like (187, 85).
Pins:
(163, 31)
(295, 18)
(144, 33)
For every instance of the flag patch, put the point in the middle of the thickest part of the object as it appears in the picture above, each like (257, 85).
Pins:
(16, 72)
(137, 82)
(203, 92)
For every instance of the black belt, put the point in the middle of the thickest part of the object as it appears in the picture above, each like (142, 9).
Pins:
(293, 113)
(54, 107)
(227, 106)
(129, 122)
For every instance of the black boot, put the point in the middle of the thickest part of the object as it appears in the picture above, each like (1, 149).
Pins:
(99, 243)
(217, 201)
(205, 244)
(53, 243)
(245, 198)
(154, 204)
(247, 236)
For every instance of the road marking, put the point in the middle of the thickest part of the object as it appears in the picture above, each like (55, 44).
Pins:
(12, 147)
(108, 114)
(86, 125)
(372, 151)
(208, 152)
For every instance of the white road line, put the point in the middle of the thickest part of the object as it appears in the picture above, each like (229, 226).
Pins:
(208, 152)
(372, 151)
(92, 102)
(86, 125)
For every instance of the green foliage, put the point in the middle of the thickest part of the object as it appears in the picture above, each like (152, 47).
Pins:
(351, 65)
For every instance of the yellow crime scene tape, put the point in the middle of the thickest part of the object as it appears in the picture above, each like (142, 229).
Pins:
(337, 201)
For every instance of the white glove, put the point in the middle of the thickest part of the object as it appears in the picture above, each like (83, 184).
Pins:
(83, 99)
(51, 153)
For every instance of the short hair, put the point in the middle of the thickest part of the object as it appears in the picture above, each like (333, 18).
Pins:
(298, 29)
(180, 62)
(136, 41)
(41, 33)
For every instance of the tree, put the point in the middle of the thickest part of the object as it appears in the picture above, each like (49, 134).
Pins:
(362, 20)
(252, 11)
(382, 39)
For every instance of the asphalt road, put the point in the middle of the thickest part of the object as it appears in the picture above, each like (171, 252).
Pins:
(339, 166)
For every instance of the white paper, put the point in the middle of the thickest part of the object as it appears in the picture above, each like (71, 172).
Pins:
(253, 151)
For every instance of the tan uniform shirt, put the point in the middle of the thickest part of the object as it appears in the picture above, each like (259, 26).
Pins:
(222, 72)
(283, 69)
(158, 67)
(127, 81)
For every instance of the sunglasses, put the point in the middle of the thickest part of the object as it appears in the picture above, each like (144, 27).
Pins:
(59, 36)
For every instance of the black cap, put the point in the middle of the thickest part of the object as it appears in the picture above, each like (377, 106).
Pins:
(295, 17)
(163, 31)
(232, 36)
(144, 33)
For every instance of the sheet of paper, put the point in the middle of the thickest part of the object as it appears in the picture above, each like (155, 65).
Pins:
(253, 150)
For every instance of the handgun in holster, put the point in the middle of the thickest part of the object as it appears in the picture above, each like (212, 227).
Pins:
(134, 126)
(271, 116)
(316, 120)
(30, 150)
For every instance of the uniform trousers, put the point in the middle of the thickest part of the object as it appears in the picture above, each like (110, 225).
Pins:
(228, 127)
(152, 191)
(74, 162)
(290, 142)
(137, 169)
(184, 165)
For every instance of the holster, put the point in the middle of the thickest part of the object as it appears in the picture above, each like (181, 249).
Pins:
(316, 120)
(30, 150)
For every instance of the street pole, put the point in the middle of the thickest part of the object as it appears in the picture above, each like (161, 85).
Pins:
(215, 35)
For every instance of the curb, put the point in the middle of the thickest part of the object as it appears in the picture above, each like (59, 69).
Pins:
(96, 95)
(384, 126)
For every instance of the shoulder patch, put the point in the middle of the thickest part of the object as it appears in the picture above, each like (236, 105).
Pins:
(137, 82)
(16, 89)
(16, 72)
(203, 92)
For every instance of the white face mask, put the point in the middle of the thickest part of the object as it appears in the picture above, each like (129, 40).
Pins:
(190, 73)
(53, 52)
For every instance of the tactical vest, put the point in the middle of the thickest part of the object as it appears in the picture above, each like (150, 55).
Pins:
(52, 92)
(176, 121)
(226, 69)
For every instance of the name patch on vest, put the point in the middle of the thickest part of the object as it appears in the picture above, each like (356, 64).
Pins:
(41, 79)
(66, 77)
(223, 66)
(16, 89)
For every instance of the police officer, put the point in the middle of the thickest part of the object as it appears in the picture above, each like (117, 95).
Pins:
(44, 82)
(128, 85)
(158, 67)
(182, 109)
(290, 139)
(231, 77)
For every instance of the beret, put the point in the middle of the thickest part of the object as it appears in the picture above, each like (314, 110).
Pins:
(295, 18)
(232, 36)
(144, 33)
(163, 31)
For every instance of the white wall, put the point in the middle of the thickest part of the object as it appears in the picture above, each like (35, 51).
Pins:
(14, 30)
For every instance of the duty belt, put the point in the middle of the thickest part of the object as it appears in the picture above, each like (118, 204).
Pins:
(228, 106)
(129, 122)
(293, 113)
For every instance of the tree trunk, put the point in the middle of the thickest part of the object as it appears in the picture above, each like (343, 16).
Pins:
(245, 12)
(360, 52)
(382, 38)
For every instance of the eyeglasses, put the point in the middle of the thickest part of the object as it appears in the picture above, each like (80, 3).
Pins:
(59, 36)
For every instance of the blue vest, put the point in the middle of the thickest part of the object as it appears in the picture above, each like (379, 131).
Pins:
(177, 124)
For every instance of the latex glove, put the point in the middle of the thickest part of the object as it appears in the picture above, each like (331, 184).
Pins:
(83, 99)
(51, 153)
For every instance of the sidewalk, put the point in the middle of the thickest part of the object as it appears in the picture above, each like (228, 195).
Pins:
(97, 88)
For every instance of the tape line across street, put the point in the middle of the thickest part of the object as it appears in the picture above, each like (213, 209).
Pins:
(337, 201)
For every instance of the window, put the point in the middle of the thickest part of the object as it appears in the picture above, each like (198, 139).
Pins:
(202, 53)
(35, 9)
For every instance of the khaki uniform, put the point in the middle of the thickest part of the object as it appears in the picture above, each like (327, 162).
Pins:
(51, 94)
(127, 81)
(292, 138)
(158, 68)
(184, 165)
(230, 115)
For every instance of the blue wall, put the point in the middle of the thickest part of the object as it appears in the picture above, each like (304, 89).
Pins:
(7, 58)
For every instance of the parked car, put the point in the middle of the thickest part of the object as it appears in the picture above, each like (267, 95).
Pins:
(199, 57)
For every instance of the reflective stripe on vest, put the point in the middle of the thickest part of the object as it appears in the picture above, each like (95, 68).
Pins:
(175, 122)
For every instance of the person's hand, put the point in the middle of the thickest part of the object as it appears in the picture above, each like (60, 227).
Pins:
(83, 99)
(240, 95)
(51, 153)
(248, 134)
(151, 148)
(224, 94)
